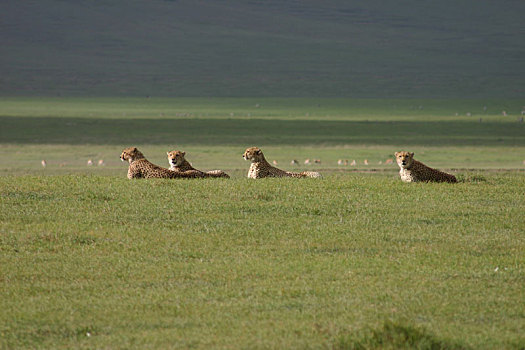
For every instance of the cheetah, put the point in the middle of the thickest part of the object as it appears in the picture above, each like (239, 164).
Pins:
(140, 167)
(414, 171)
(261, 168)
(178, 162)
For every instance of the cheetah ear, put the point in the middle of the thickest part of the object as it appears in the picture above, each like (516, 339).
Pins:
(412, 154)
(258, 151)
(134, 149)
(395, 154)
(183, 153)
(168, 153)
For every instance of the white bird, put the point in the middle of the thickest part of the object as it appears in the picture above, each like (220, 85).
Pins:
(44, 163)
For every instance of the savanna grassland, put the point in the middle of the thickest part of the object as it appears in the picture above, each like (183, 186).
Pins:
(358, 259)
(465, 134)
(355, 260)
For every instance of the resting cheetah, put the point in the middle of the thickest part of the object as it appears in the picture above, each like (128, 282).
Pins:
(414, 171)
(178, 162)
(140, 167)
(261, 168)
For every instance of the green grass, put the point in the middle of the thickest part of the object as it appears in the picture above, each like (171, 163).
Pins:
(333, 109)
(215, 132)
(396, 336)
(358, 259)
(278, 263)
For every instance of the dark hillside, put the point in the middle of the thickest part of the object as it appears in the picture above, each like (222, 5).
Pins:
(339, 48)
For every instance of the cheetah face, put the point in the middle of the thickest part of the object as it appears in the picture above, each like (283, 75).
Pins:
(176, 158)
(404, 159)
(253, 154)
(130, 154)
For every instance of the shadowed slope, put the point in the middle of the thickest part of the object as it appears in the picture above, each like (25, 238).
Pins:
(262, 48)
(64, 130)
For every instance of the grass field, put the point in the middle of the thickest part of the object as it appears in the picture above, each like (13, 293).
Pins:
(215, 132)
(89, 259)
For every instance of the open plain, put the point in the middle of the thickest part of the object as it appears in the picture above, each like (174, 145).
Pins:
(358, 259)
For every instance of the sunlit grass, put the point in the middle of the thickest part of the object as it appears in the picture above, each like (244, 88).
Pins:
(89, 259)
(273, 263)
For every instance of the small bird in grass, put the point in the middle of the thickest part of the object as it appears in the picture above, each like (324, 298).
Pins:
(101, 162)
(274, 162)
(353, 163)
(294, 162)
(44, 163)
(365, 161)
(307, 161)
(389, 161)
(89, 162)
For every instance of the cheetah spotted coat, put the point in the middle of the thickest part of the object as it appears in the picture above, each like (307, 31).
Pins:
(260, 167)
(413, 171)
(179, 163)
(140, 167)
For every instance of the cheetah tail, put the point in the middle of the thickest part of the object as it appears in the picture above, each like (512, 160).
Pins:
(313, 174)
(217, 173)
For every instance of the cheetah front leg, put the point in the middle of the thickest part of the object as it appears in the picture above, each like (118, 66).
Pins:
(134, 173)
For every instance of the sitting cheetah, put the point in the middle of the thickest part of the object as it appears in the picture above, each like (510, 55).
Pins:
(261, 168)
(140, 167)
(414, 171)
(179, 163)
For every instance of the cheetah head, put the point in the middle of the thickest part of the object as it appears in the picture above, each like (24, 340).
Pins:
(253, 154)
(176, 158)
(130, 154)
(404, 159)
